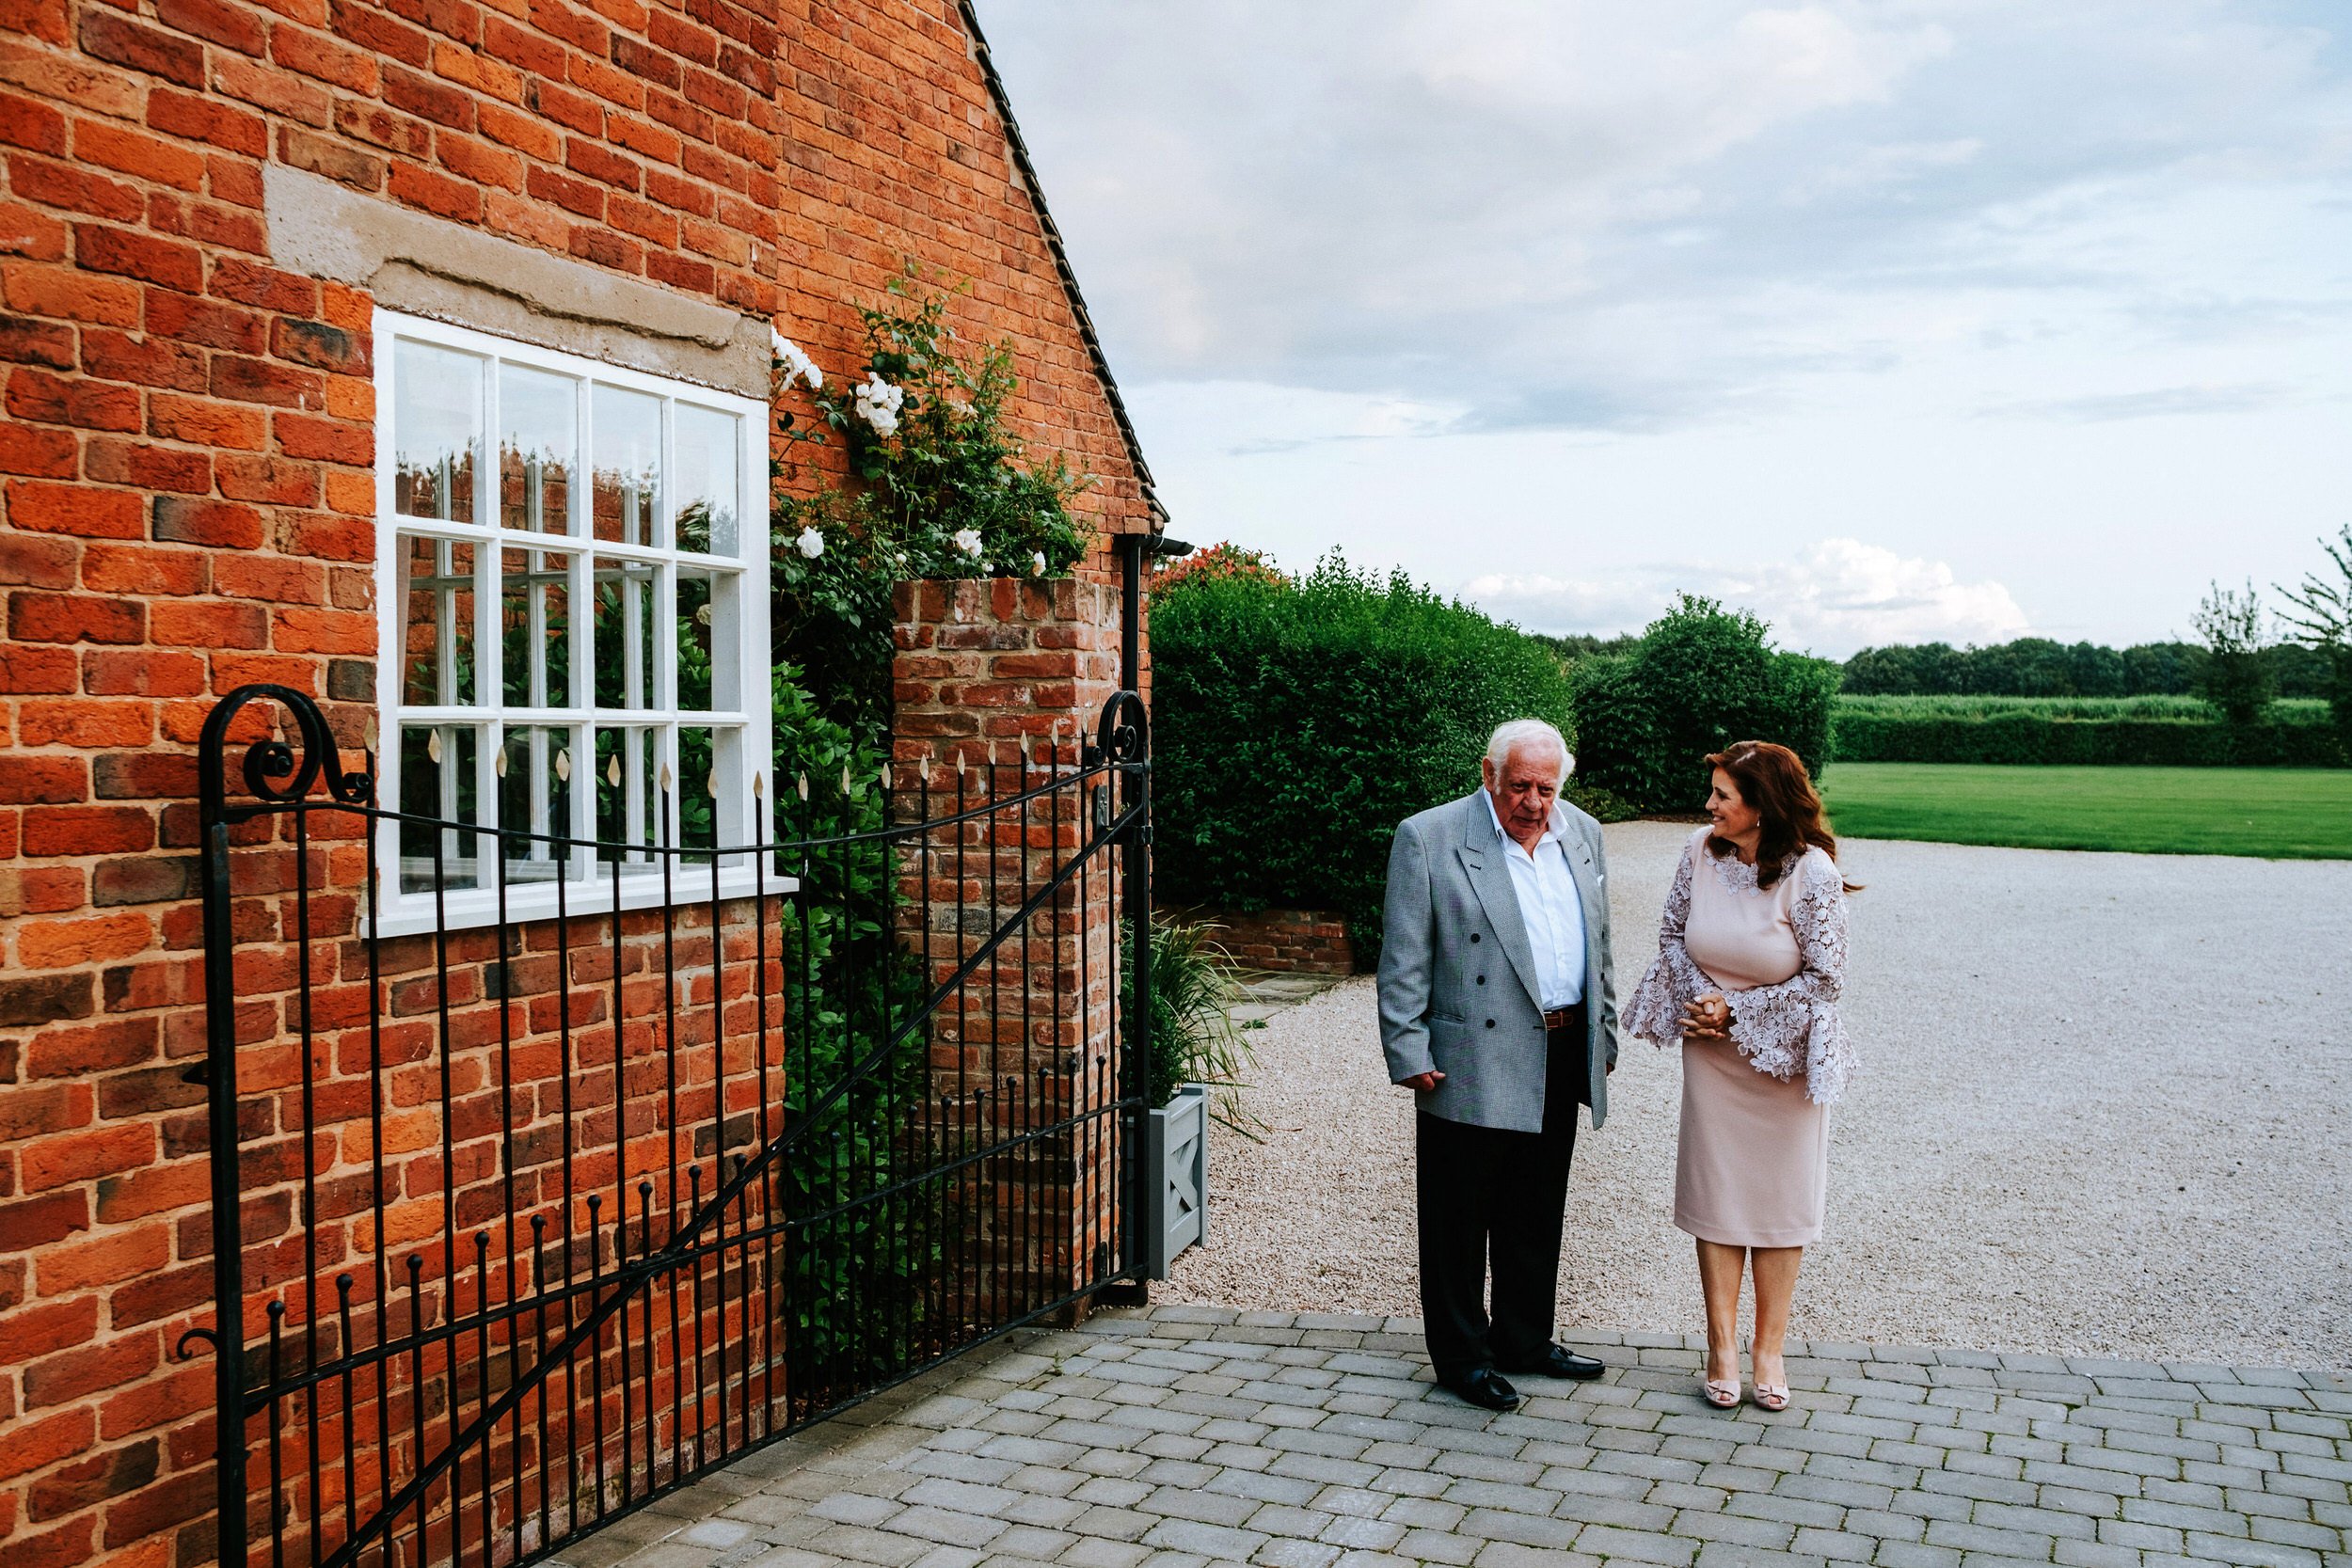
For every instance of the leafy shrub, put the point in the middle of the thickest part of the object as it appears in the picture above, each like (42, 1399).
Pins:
(1297, 725)
(2179, 732)
(2036, 667)
(1599, 803)
(2236, 680)
(2187, 709)
(2318, 617)
(1218, 561)
(1701, 677)
(940, 490)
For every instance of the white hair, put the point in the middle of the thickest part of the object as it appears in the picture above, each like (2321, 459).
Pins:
(1509, 737)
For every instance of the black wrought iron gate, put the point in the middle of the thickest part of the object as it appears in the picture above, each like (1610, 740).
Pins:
(630, 1158)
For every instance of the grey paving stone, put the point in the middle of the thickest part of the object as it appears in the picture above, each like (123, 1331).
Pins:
(1444, 1546)
(1526, 1529)
(1636, 1545)
(2263, 1554)
(1093, 1551)
(1319, 1442)
(2028, 1547)
(1510, 1554)
(1737, 1528)
(1266, 1489)
(1189, 1502)
(1913, 1554)
(1295, 1553)
(1210, 1540)
(1832, 1545)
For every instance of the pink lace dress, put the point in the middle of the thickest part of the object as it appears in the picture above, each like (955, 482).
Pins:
(1751, 1168)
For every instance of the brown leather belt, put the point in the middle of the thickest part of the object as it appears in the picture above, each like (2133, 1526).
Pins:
(1560, 1017)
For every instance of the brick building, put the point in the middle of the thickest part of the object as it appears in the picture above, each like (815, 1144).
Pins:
(277, 279)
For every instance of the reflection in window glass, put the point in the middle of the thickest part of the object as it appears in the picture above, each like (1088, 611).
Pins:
(535, 803)
(439, 782)
(629, 464)
(706, 479)
(629, 807)
(437, 634)
(705, 622)
(534, 628)
(437, 426)
(697, 794)
(538, 411)
(624, 633)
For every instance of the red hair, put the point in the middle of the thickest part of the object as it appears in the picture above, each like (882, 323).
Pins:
(1772, 780)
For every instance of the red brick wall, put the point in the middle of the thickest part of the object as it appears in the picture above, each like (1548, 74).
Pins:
(187, 441)
(1282, 942)
(1000, 686)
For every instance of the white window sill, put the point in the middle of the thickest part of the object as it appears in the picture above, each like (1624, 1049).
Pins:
(406, 914)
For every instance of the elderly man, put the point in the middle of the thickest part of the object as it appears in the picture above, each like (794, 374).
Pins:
(1497, 1011)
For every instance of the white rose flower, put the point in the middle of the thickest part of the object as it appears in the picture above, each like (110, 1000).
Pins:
(878, 404)
(968, 541)
(797, 364)
(811, 543)
(1037, 563)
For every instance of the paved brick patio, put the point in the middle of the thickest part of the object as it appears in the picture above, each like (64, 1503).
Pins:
(1187, 1435)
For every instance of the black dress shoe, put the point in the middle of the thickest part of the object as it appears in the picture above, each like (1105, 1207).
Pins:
(1485, 1388)
(1555, 1362)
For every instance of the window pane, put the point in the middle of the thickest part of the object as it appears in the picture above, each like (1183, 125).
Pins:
(624, 633)
(440, 781)
(438, 424)
(629, 464)
(437, 640)
(537, 448)
(534, 624)
(698, 793)
(708, 480)
(535, 803)
(629, 803)
(708, 638)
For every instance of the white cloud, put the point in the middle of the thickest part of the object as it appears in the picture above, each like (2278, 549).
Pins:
(1841, 595)
(1583, 213)
(2054, 293)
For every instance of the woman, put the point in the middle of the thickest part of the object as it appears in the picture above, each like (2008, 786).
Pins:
(1751, 954)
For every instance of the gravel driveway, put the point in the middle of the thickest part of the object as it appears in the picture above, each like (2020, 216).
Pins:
(2103, 1111)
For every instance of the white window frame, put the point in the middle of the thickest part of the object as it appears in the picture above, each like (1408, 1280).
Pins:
(741, 782)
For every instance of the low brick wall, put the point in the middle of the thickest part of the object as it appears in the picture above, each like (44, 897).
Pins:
(1284, 941)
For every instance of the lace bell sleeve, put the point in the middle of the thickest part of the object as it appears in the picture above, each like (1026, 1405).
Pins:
(1674, 980)
(1794, 1027)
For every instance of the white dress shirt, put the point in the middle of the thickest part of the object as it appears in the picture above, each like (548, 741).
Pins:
(1550, 907)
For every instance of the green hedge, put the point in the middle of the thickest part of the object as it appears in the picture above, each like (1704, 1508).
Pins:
(1700, 678)
(1294, 726)
(2292, 740)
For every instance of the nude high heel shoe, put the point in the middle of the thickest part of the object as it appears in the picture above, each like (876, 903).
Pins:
(1723, 1393)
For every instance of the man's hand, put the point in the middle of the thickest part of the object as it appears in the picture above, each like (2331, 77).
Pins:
(1421, 1082)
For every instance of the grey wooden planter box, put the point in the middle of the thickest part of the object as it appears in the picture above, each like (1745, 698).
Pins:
(1176, 1177)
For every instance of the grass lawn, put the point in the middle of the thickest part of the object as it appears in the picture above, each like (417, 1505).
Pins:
(2279, 812)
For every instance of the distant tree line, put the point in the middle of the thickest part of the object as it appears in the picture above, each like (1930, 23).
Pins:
(2038, 667)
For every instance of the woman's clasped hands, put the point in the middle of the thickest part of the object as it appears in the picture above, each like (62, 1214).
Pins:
(1710, 1017)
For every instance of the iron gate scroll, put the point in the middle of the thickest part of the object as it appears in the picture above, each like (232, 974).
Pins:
(518, 1225)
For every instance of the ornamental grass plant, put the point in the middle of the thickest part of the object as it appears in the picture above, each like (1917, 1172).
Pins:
(1194, 987)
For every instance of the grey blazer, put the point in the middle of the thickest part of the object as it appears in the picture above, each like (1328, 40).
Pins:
(1457, 977)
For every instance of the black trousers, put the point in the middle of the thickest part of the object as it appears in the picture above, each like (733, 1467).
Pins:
(1491, 1198)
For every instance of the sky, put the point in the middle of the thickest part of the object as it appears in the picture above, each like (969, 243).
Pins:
(1922, 319)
